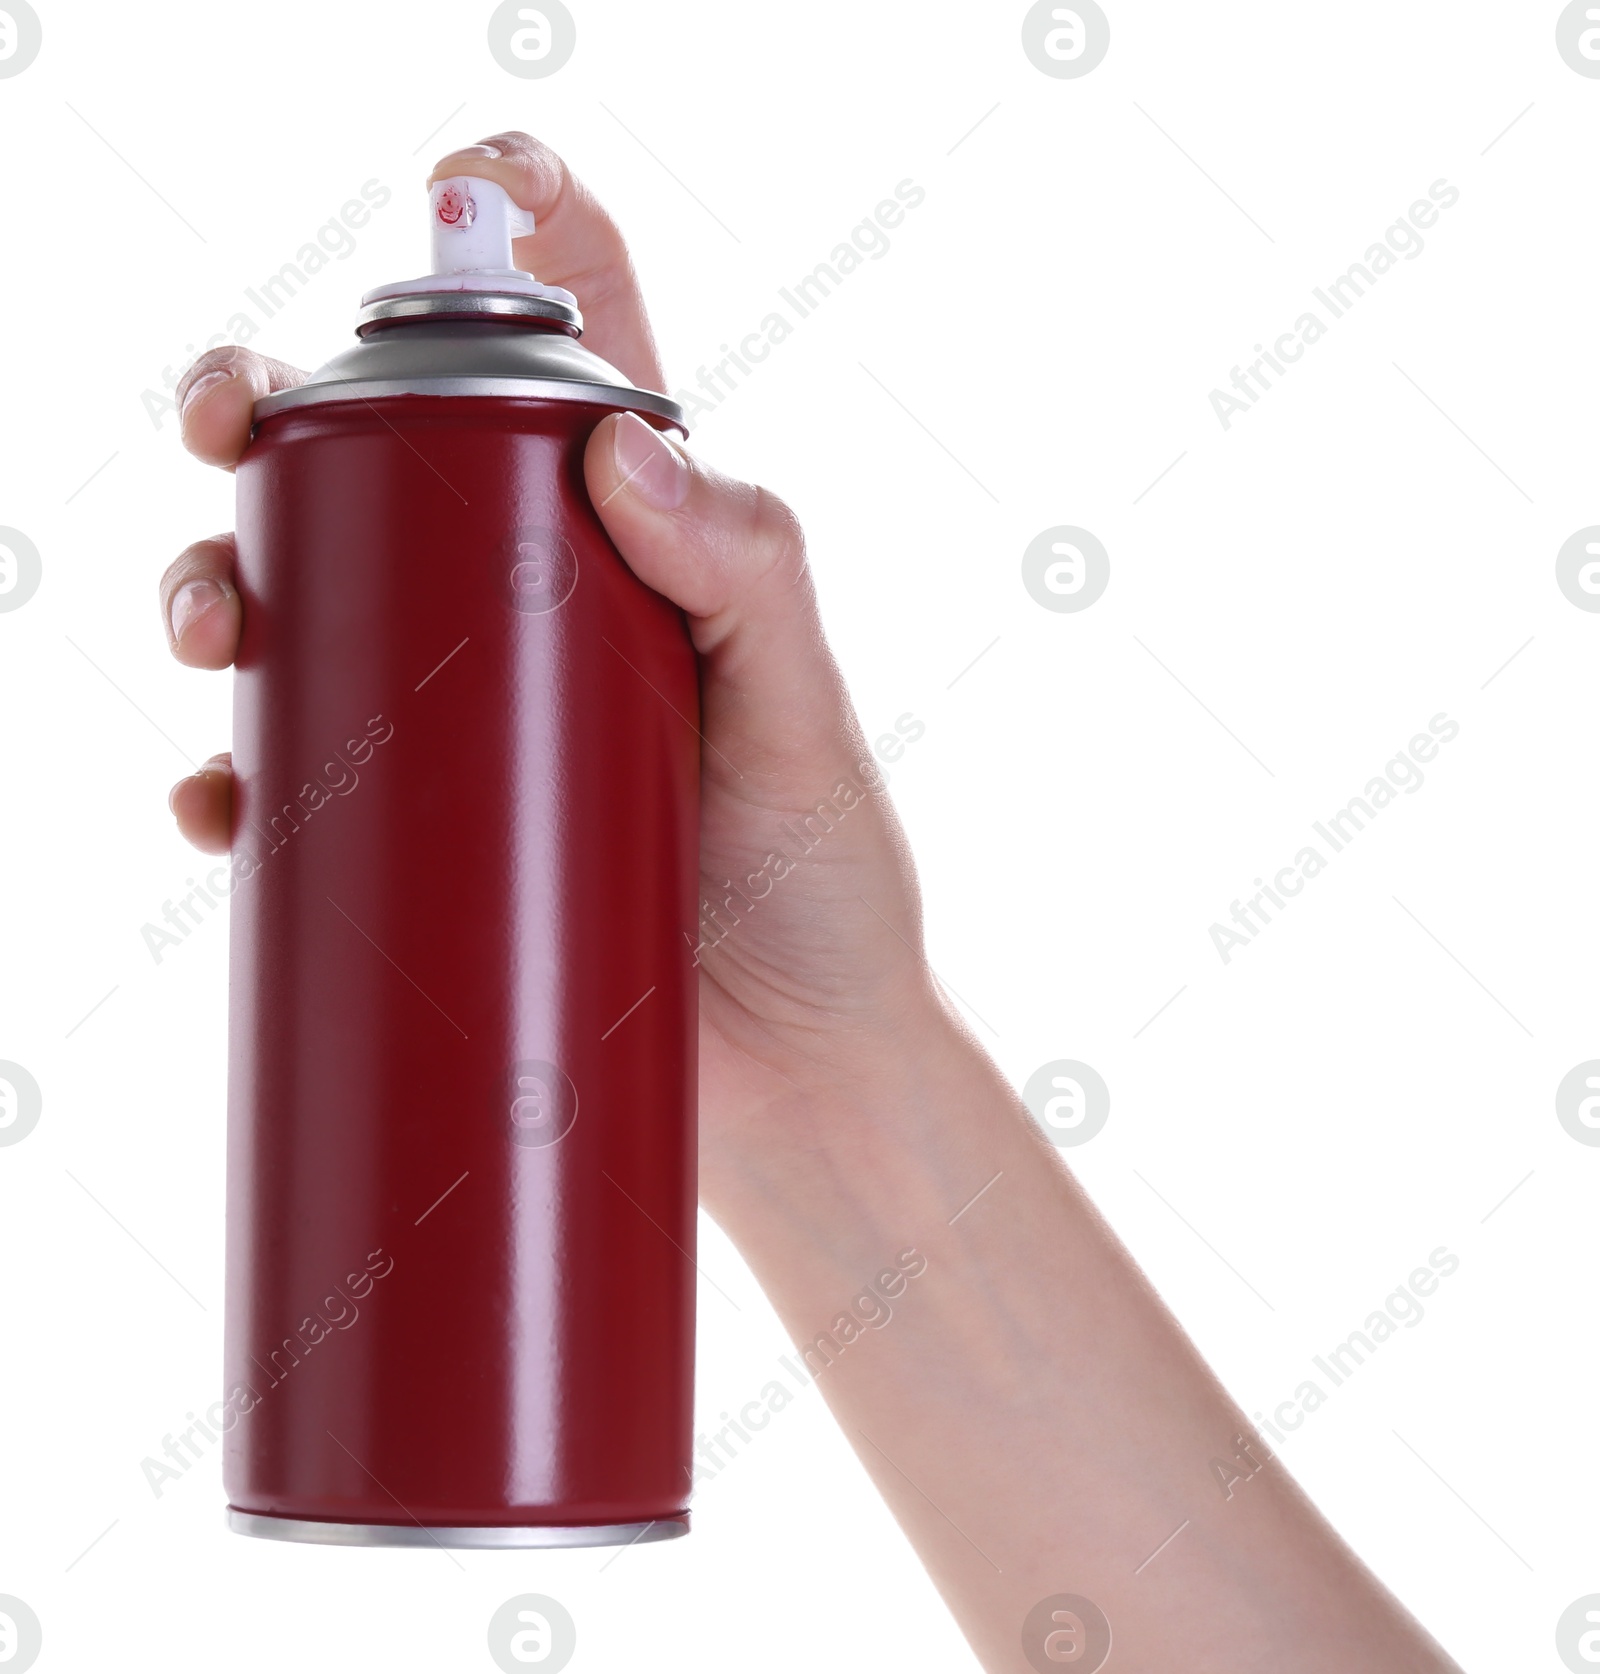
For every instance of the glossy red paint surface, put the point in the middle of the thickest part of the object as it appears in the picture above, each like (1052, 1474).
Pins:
(461, 1169)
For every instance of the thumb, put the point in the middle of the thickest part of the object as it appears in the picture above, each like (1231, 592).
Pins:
(732, 557)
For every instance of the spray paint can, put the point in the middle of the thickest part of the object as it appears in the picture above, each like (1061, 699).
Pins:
(461, 1156)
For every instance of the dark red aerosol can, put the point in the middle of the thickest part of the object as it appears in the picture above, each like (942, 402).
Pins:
(461, 1158)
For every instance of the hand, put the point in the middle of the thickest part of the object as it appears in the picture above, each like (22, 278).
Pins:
(799, 986)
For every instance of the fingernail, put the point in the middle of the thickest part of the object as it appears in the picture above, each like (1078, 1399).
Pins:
(469, 151)
(207, 380)
(172, 797)
(192, 601)
(649, 465)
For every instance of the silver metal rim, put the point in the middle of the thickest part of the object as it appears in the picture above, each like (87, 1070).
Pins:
(527, 389)
(501, 304)
(416, 1534)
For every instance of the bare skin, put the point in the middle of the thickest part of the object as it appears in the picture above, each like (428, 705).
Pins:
(1035, 1418)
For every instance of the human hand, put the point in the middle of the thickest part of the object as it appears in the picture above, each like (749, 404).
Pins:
(844, 1115)
(810, 953)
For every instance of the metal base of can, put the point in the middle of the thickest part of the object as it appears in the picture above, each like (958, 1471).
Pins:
(264, 1527)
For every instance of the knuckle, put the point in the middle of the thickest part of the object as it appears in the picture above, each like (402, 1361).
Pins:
(229, 358)
(776, 534)
(212, 556)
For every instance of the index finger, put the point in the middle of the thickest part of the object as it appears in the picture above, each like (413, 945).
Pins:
(574, 244)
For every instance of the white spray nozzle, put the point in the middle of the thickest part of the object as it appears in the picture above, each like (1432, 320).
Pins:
(474, 222)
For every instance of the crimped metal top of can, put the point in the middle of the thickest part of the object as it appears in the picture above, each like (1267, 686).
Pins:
(493, 356)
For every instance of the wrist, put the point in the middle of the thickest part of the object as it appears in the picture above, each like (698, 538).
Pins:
(891, 1135)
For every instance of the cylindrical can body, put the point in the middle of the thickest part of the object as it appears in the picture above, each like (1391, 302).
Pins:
(461, 1108)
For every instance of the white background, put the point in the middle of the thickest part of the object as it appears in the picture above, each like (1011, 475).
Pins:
(1336, 568)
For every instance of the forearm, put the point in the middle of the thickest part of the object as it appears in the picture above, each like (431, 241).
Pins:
(1034, 1416)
